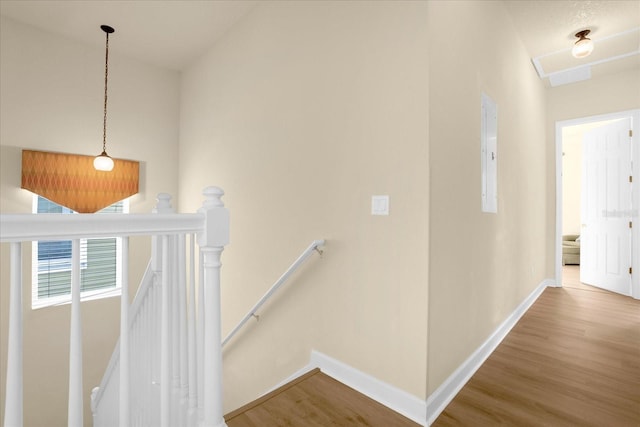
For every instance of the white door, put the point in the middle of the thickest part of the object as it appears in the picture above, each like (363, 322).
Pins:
(605, 240)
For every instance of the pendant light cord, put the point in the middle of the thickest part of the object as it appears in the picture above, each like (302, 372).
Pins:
(106, 76)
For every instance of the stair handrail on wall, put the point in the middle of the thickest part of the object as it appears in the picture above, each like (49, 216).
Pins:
(175, 392)
(313, 247)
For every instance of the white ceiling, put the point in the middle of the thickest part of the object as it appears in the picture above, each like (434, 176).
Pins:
(173, 33)
(168, 33)
(548, 28)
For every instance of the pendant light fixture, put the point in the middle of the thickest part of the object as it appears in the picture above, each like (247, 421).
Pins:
(584, 45)
(103, 162)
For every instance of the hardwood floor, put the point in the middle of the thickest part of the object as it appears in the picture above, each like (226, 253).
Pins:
(571, 279)
(572, 360)
(315, 400)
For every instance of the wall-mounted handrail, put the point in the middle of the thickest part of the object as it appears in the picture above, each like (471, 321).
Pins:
(307, 252)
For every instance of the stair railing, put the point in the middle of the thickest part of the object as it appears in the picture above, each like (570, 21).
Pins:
(142, 386)
(313, 247)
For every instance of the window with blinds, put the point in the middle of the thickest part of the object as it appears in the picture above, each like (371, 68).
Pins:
(100, 261)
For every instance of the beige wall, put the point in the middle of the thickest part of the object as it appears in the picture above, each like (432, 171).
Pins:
(51, 99)
(302, 113)
(601, 95)
(481, 265)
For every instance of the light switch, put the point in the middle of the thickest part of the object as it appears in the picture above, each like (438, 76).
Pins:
(379, 205)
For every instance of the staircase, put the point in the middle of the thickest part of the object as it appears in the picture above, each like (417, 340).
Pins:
(167, 367)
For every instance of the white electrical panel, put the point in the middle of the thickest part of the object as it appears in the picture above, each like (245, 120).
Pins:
(489, 154)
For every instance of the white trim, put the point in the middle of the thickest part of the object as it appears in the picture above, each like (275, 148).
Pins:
(412, 407)
(559, 196)
(440, 398)
(390, 396)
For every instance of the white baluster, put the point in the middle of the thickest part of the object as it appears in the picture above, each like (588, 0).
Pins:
(156, 318)
(175, 335)
(144, 352)
(156, 262)
(13, 399)
(165, 340)
(124, 338)
(193, 360)
(200, 334)
(182, 312)
(212, 241)
(140, 368)
(75, 414)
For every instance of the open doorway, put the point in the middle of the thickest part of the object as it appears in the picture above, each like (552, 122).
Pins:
(571, 231)
(573, 164)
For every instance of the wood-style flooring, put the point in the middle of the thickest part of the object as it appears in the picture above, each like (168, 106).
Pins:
(572, 360)
(571, 279)
(316, 400)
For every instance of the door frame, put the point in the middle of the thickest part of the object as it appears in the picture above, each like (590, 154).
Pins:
(635, 249)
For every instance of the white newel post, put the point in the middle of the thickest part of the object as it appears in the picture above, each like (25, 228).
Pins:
(161, 268)
(212, 241)
(13, 397)
(75, 415)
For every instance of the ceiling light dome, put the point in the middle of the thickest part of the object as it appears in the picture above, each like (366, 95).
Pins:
(584, 45)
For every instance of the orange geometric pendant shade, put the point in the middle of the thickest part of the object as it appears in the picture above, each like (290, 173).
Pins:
(70, 180)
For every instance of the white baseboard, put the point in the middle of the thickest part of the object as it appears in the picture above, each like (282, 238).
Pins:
(440, 398)
(392, 397)
(412, 407)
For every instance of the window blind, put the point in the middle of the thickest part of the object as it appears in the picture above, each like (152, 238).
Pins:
(98, 259)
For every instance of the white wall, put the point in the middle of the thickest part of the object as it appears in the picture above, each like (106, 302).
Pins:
(302, 113)
(51, 98)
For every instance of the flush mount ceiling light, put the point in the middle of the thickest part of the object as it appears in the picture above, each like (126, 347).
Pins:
(103, 162)
(584, 45)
